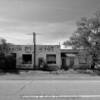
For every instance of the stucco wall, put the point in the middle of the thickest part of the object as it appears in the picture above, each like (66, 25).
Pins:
(41, 51)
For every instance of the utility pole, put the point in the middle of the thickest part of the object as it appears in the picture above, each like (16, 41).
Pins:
(34, 42)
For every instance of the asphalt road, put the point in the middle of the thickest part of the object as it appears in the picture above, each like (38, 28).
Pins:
(49, 90)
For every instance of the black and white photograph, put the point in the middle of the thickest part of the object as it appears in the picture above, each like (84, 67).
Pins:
(49, 49)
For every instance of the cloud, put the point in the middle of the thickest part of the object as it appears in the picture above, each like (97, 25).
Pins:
(46, 32)
(47, 10)
(52, 20)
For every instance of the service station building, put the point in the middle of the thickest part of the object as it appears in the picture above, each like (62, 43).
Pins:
(24, 54)
(52, 55)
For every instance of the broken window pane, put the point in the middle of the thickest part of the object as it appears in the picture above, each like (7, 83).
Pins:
(27, 58)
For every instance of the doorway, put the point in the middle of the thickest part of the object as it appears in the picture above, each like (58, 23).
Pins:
(41, 63)
(71, 62)
(63, 59)
(14, 59)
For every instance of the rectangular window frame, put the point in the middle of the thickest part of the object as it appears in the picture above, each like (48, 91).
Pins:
(26, 62)
(51, 61)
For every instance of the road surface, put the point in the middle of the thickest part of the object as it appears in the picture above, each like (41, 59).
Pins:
(49, 90)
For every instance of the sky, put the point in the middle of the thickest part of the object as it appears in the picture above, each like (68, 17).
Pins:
(54, 21)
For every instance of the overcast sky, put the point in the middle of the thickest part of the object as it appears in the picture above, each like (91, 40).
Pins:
(53, 20)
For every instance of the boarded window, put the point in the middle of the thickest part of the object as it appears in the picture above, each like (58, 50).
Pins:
(27, 58)
(51, 58)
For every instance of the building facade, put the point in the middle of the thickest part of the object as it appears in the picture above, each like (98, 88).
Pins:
(75, 58)
(49, 54)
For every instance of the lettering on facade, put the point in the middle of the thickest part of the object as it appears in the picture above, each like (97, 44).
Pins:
(16, 49)
(28, 49)
(46, 49)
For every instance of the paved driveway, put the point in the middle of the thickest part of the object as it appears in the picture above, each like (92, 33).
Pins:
(49, 90)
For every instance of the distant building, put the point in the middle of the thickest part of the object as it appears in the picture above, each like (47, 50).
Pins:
(75, 58)
(24, 54)
(52, 55)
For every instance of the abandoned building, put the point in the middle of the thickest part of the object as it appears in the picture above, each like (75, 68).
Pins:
(52, 55)
(24, 54)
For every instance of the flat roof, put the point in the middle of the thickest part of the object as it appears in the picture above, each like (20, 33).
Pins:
(69, 51)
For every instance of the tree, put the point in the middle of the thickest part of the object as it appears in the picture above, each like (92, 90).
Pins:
(3, 46)
(7, 61)
(87, 37)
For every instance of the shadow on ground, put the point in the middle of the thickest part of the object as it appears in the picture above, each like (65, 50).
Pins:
(3, 72)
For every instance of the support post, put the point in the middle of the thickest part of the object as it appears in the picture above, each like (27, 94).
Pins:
(34, 42)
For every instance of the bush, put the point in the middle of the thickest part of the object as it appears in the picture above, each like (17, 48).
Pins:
(50, 67)
(2, 62)
(82, 67)
(10, 62)
(65, 67)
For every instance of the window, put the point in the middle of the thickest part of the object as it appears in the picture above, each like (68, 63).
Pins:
(51, 58)
(27, 58)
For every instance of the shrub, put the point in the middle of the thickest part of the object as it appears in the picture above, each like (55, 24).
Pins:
(82, 67)
(51, 67)
(10, 62)
(65, 67)
(2, 62)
